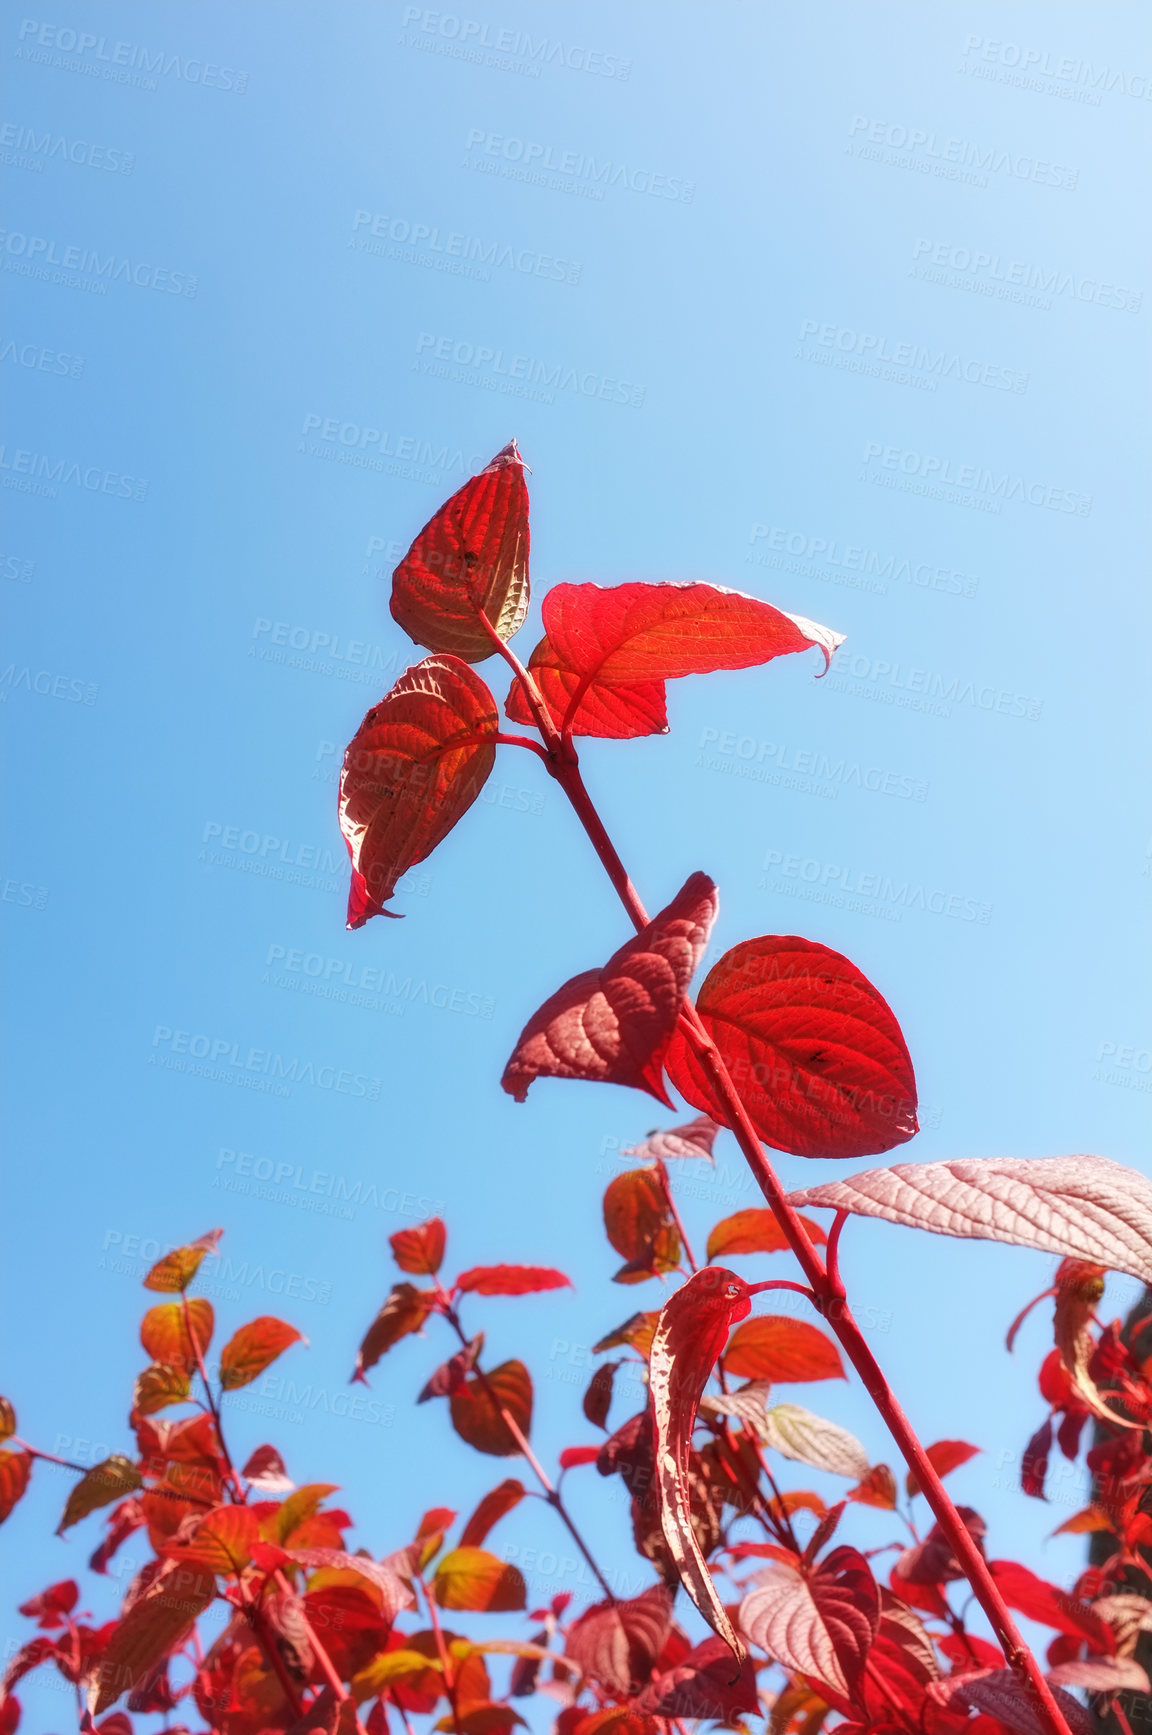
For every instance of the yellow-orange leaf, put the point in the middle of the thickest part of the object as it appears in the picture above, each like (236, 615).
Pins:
(169, 1333)
(253, 1348)
(177, 1269)
(471, 1578)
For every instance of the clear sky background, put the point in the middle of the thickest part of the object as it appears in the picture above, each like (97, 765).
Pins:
(793, 193)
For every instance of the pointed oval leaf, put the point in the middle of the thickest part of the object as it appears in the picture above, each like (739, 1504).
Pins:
(222, 1541)
(405, 1311)
(693, 1139)
(476, 1406)
(639, 1222)
(511, 1280)
(152, 1627)
(253, 1348)
(821, 1624)
(809, 1439)
(573, 1456)
(471, 1578)
(598, 1397)
(103, 1484)
(174, 1331)
(420, 1250)
(614, 1025)
(944, 1456)
(175, 1271)
(492, 1508)
(158, 1386)
(636, 1332)
(774, 1347)
(755, 1230)
(691, 1333)
(15, 1469)
(1102, 1675)
(414, 767)
(618, 1643)
(606, 649)
(812, 1048)
(877, 1489)
(391, 1594)
(1082, 1207)
(471, 556)
(747, 1405)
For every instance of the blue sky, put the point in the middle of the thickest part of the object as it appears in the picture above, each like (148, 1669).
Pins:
(844, 307)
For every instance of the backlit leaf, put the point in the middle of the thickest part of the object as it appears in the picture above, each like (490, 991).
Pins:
(476, 1407)
(1003, 1695)
(389, 1592)
(15, 1469)
(776, 1348)
(812, 1048)
(491, 1717)
(420, 1250)
(172, 1332)
(414, 767)
(265, 1471)
(755, 1230)
(693, 1139)
(104, 1483)
(636, 1332)
(639, 1223)
(471, 1578)
(7, 1419)
(944, 1456)
(573, 1456)
(50, 1607)
(692, 1330)
(175, 1271)
(405, 1311)
(608, 651)
(877, 1489)
(152, 1627)
(511, 1280)
(1082, 1207)
(222, 1541)
(796, 1433)
(821, 1623)
(492, 1508)
(471, 556)
(702, 1686)
(746, 1405)
(159, 1386)
(253, 1348)
(598, 1397)
(614, 1025)
(617, 1644)
(1102, 1675)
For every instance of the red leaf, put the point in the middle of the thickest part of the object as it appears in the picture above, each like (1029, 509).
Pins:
(780, 1349)
(176, 1270)
(420, 1250)
(944, 1456)
(511, 1279)
(693, 1139)
(15, 1469)
(404, 1312)
(152, 1627)
(598, 1397)
(28, 1657)
(573, 1456)
(220, 1542)
(265, 1470)
(755, 1230)
(607, 652)
(414, 767)
(639, 1223)
(702, 1686)
(471, 1578)
(691, 1333)
(49, 1608)
(174, 1330)
(614, 1025)
(1082, 1207)
(471, 556)
(492, 1508)
(476, 1408)
(253, 1348)
(813, 1049)
(1051, 1607)
(618, 1643)
(821, 1625)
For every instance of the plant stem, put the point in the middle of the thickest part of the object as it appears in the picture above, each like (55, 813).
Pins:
(831, 1300)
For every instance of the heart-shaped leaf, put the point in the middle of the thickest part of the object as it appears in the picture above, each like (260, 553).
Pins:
(602, 665)
(476, 1407)
(690, 1335)
(471, 1578)
(618, 1643)
(820, 1623)
(1082, 1207)
(812, 1048)
(175, 1331)
(420, 1250)
(640, 1224)
(472, 556)
(614, 1025)
(415, 765)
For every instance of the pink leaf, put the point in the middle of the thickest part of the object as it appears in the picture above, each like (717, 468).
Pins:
(1083, 1207)
(614, 1025)
(1000, 1693)
(1102, 1675)
(690, 1334)
(820, 1624)
(693, 1139)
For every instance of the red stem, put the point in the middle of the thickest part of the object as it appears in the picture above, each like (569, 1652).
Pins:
(831, 1300)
